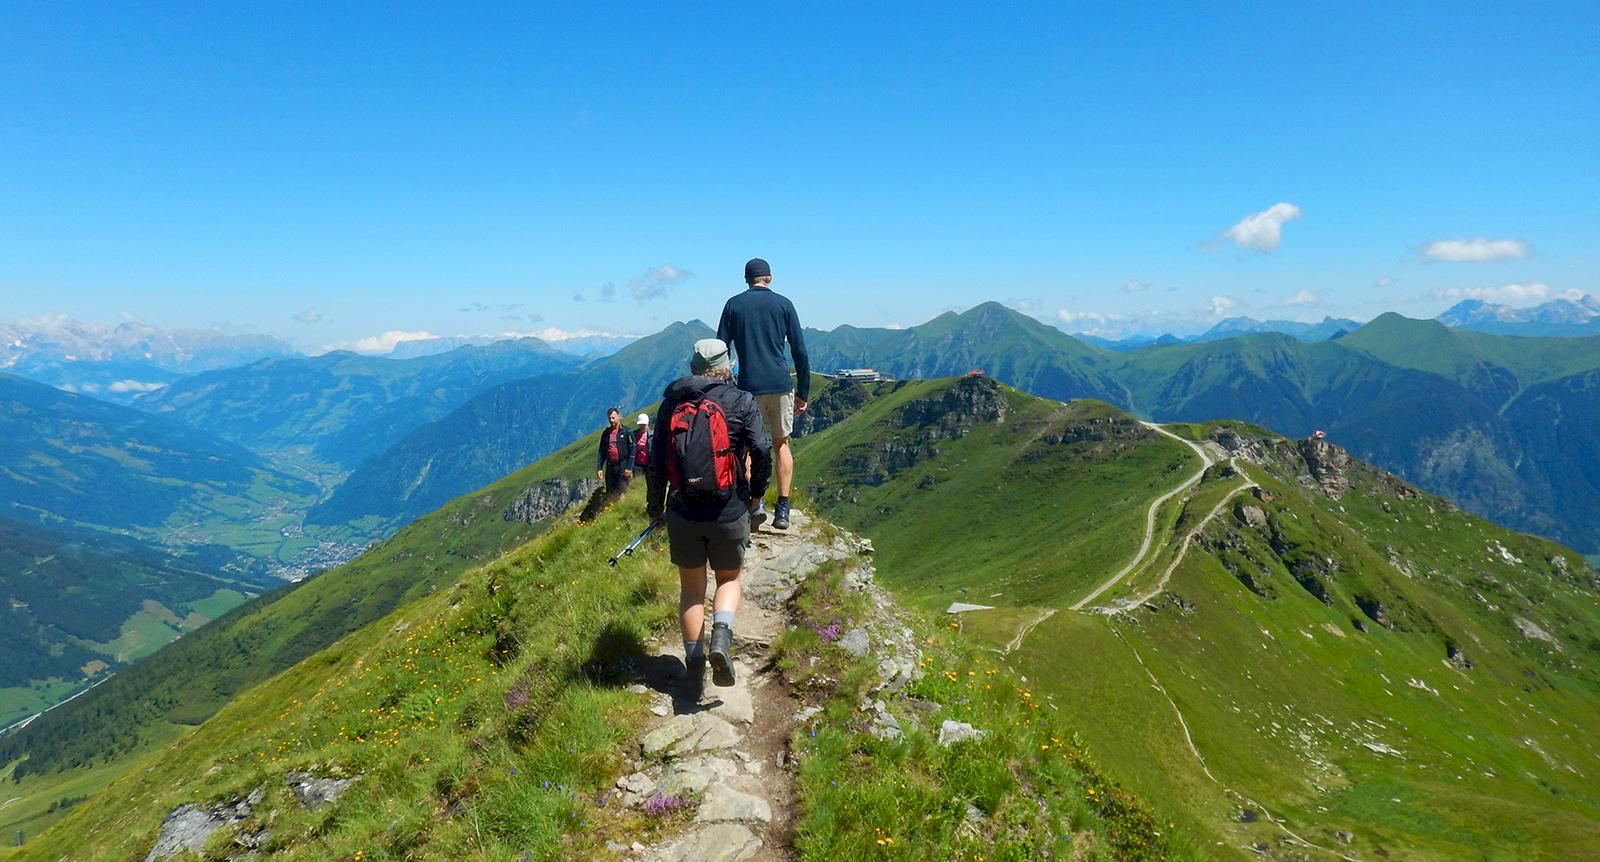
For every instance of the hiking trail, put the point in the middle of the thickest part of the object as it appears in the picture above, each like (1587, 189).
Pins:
(725, 751)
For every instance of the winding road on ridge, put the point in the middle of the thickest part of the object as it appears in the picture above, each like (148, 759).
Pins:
(1150, 517)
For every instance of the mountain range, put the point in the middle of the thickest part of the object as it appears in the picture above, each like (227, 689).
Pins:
(1495, 422)
(119, 362)
(1564, 317)
(344, 406)
(1291, 654)
(504, 428)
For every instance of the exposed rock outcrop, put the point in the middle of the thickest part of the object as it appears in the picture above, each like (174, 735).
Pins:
(834, 405)
(1326, 464)
(971, 401)
(316, 791)
(548, 499)
(188, 827)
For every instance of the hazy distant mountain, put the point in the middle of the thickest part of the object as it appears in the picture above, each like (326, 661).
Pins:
(582, 346)
(1557, 317)
(65, 457)
(1326, 329)
(505, 428)
(120, 362)
(342, 405)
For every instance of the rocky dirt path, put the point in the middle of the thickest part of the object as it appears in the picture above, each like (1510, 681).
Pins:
(723, 752)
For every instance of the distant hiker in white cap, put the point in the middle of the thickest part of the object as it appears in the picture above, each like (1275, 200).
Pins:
(757, 323)
(705, 429)
(614, 464)
(641, 443)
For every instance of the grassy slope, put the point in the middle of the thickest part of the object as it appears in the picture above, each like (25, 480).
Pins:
(980, 508)
(1259, 679)
(106, 731)
(466, 712)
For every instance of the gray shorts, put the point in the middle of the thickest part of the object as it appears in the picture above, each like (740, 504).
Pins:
(695, 543)
(777, 411)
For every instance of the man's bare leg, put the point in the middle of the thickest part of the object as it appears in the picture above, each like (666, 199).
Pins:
(692, 603)
(783, 459)
(728, 592)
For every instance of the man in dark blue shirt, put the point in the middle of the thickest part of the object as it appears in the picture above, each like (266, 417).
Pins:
(756, 324)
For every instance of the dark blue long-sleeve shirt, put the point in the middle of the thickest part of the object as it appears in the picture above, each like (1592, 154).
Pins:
(755, 324)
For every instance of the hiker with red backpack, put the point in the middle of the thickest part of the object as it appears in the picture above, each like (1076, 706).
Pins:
(705, 429)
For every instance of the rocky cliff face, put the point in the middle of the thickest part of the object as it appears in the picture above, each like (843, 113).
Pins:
(1320, 464)
(548, 499)
(972, 401)
(1325, 464)
(836, 403)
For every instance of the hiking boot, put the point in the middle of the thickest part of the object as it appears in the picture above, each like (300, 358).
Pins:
(757, 518)
(694, 674)
(780, 515)
(720, 654)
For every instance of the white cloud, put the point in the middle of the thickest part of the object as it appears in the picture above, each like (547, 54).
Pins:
(654, 282)
(384, 343)
(1263, 231)
(1221, 305)
(1478, 250)
(308, 317)
(1303, 297)
(1533, 291)
(134, 386)
(1386, 281)
(1066, 315)
(608, 292)
(1134, 286)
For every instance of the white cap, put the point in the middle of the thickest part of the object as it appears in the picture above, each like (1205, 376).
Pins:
(643, 419)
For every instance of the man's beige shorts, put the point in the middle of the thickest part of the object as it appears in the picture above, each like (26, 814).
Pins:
(778, 412)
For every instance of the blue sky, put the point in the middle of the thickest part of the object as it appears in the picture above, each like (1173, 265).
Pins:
(328, 174)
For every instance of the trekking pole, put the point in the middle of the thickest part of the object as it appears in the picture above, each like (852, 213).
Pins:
(628, 551)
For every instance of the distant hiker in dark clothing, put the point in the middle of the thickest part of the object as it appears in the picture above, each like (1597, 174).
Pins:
(757, 323)
(642, 438)
(614, 464)
(705, 429)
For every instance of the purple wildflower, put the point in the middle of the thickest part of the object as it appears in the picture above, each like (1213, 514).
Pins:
(661, 806)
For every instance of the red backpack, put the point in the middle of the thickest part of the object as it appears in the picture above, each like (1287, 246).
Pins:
(700, 461)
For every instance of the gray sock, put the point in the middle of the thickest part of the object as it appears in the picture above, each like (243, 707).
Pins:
(722, 617)
(693, 651)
